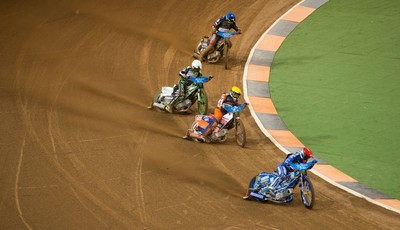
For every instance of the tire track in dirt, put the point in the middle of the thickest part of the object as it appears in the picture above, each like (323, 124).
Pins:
(16, 185)
(140, 200)
(76, 185)
(51, 155)
(196, 189)
(82, 202)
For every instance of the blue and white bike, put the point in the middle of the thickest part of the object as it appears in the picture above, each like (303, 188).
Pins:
(258, 187)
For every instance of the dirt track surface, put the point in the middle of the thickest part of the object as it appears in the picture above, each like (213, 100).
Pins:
(80, 150)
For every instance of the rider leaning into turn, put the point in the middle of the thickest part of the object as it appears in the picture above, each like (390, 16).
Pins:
(284, 168)
(186, 73)
(223, 24)
(214, 120)
(231, 98)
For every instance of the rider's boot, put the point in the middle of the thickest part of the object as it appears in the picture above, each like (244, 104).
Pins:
(187, 136)
(204, 53)
(169, 108)
(197, 136)
(196, 55)
(246, 197)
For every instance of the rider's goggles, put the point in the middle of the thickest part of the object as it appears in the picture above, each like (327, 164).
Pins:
(235, 95)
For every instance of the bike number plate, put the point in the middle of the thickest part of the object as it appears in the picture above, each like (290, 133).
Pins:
(167, 90)
(226, 118)
(257, 195)
(202, 124)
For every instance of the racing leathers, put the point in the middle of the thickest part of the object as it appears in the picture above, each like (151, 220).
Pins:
(226, 98)
(185, 74)
(223, 25)
(284, 169)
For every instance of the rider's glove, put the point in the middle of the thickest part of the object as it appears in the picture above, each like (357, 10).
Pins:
(210, 77)
(314, 162)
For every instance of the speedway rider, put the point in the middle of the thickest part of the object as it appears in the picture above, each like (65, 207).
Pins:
(284, 168)
(223, 24)
(212, 122)
(231, 98)
(186, 73)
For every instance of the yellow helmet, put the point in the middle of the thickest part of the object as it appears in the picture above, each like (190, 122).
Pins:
(235, 92)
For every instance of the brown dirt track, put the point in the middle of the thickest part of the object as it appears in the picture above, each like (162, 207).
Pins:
(80, 150)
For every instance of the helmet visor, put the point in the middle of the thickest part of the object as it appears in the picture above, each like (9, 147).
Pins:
(230, 16)
(235, 95)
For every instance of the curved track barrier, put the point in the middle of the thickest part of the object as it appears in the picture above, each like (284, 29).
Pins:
(256, 91)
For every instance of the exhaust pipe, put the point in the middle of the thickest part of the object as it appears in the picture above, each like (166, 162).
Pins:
(221, 133)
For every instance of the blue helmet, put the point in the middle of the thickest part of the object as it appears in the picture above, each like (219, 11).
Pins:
(231, 17)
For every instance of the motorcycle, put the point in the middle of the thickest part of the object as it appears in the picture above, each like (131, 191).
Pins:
(220, 50)
(194, 92)
(285, 190)
(230, 120)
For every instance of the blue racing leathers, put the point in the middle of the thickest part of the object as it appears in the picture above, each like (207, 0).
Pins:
(284, 168)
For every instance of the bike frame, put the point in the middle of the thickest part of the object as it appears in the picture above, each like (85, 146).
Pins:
(234, 111)
(225, 36)
(195, 87)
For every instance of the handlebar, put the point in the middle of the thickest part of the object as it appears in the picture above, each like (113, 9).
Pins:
(227, 34)
(305, 166)
(201, 80)
(234, 109)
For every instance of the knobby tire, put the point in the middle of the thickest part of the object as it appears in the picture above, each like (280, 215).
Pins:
(226, 51)
(240, 133)
(307, 193)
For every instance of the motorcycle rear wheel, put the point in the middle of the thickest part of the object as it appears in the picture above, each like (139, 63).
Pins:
(307, 193)
(156, 99)
(197, 50)
(240, 133)
(252, 189)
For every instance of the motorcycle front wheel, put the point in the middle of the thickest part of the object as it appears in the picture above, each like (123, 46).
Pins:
(240, 133)
(202, 103)
(226, 51)
(307, 193)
